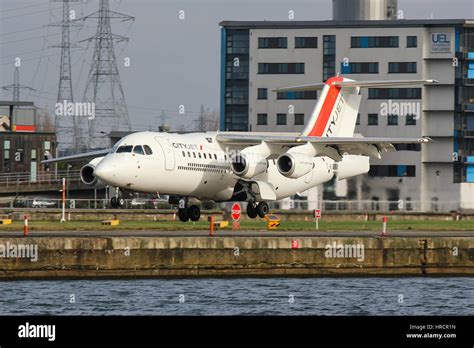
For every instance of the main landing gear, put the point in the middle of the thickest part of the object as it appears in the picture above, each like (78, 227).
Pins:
(186, 213)
(254, 210)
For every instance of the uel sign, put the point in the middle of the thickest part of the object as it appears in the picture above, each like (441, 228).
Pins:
(440, 43)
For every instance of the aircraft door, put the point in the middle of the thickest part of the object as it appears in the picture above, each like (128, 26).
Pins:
(168, 151)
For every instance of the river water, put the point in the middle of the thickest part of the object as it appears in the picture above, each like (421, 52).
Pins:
(240, 296)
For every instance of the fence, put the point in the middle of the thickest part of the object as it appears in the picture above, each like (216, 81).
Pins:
(299, 205)
(41, 178)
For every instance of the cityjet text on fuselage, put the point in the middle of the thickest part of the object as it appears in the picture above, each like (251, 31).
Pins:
(185, 146)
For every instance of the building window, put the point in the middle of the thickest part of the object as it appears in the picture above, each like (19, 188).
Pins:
(299, 119)
(412, 41)
(372, 119)
(392, 171)
(6, 155)
(374, 41)
(402, 68)
(394, 93)
(235, 94)
(358, 120)
(262, 119)
(360, 68)
(262, 93)
(410, 120)
(281, 119)
(281, 68)
(313, 95)
(392, 120)
(306, 42)
(272, 42)
(329, 56)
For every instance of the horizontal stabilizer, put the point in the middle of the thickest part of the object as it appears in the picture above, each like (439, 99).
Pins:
(367, 84)
(301, 88)
(351, 84)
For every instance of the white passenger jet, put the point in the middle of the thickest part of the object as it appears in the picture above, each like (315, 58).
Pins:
(245, 166)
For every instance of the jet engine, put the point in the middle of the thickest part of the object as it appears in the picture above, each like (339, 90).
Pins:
(88, 176)
(248, 165)
(294, 165)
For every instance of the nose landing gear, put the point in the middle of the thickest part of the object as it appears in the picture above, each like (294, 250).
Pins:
(117, 201)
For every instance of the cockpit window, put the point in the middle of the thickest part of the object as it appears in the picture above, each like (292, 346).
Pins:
(124, 148)
(138, 149)
(147, 150)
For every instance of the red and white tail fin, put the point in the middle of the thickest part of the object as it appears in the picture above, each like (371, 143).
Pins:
(335, 114)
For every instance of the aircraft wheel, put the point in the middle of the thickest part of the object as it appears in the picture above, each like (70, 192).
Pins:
(120, 202)
(262, 209)
(252, 210)
(194, 213)
(183, 215)
(113, 202)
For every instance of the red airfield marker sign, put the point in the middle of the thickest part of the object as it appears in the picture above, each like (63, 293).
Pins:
(236, 212)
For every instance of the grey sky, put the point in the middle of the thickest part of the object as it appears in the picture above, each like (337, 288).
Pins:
(173, 61)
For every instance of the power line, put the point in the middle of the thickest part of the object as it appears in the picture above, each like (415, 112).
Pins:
(21, 8)
(35, 58)
(27, 14)
(21, 31)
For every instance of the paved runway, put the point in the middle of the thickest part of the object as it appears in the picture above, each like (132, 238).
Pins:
(231, 233)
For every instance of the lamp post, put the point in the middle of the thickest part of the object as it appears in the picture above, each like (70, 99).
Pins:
(69, 166)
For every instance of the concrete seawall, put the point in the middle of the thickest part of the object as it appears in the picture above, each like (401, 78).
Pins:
(75, 257)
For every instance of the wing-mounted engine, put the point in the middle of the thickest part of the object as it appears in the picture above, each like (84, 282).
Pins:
(248, 165)
(252, 160)
(87, 174)
(294, 165)
(297, 161)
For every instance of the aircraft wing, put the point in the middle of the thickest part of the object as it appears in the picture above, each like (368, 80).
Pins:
(78, 157)
(333, 147)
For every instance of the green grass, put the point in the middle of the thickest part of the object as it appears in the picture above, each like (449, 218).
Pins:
(346, 225)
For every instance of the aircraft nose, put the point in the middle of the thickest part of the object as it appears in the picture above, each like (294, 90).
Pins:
(105, 171)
